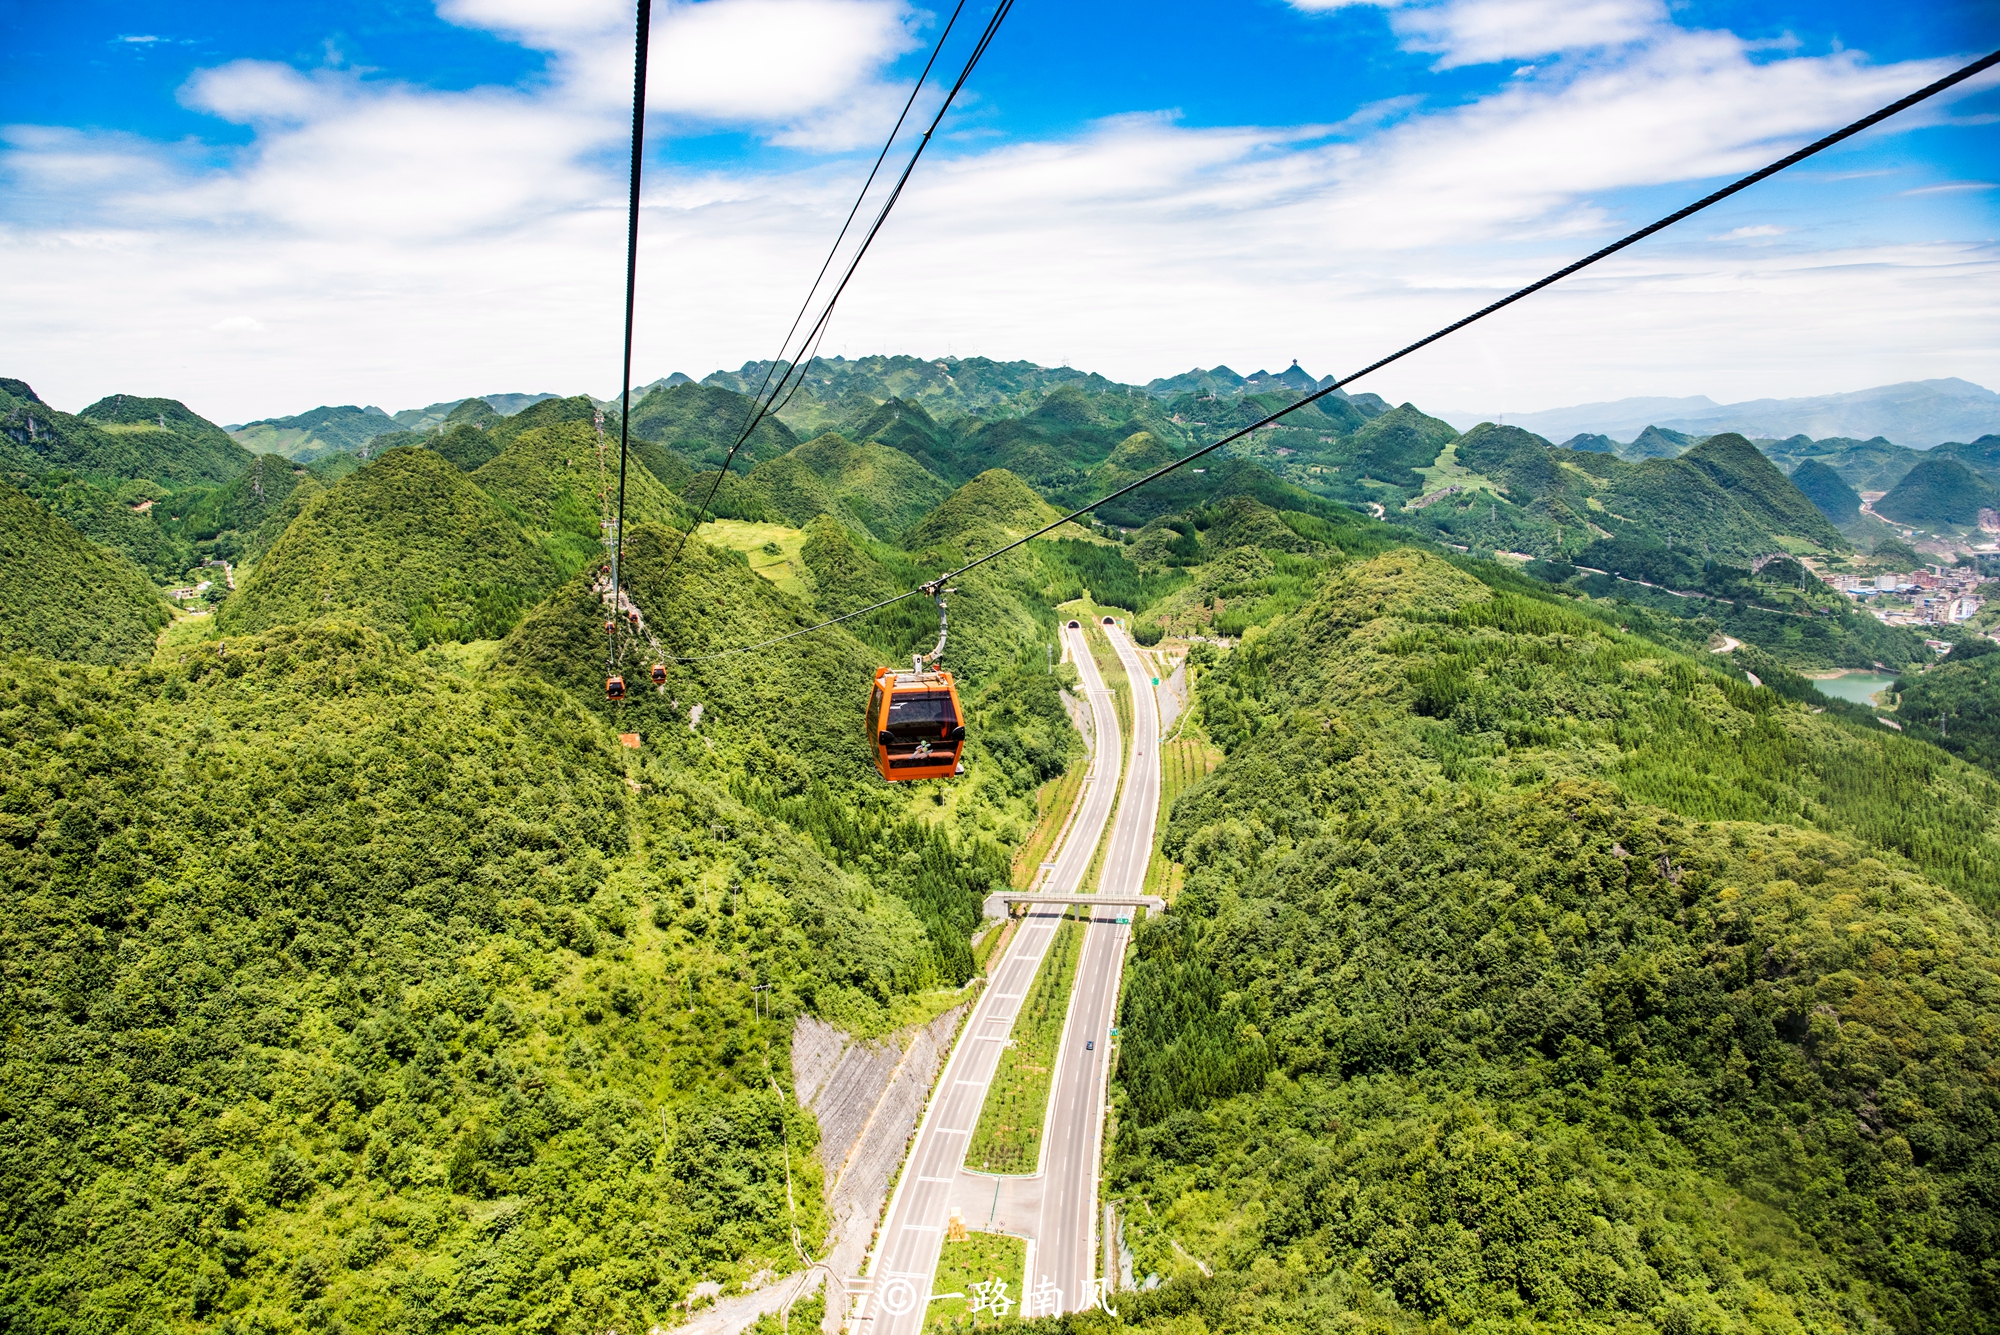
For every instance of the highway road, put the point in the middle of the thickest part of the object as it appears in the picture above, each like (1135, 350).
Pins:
(1067, 1250)
(893, 1298)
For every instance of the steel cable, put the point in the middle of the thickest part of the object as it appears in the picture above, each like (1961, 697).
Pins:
(818, 331)
(641, 42)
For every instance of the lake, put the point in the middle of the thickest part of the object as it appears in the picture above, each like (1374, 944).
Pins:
(1857, 686)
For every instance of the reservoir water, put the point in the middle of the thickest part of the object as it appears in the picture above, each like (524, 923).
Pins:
(1856, 686)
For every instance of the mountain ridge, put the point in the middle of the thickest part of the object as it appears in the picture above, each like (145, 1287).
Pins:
(1916, 414)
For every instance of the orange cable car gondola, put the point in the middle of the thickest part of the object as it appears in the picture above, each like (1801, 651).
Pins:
(659, 674)
(917, 725)
(614, 687)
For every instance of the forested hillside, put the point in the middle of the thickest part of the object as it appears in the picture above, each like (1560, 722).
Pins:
(407, 545)
(872, 488)
(1526, 970)
(366, 1016)
(1939, 493)
(1527, 966)
(122, 437)
(547, 478)
(1956, 704)
(65, 597)
(701, 423)
(122, 473)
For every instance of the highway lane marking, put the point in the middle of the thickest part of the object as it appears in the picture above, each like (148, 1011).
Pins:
(952, 1131)
(920, 1228)
(934, 1179)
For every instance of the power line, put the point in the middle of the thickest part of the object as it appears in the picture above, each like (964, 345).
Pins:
(640, 44)
(859, 199)
(1950, 80)
(818, 331)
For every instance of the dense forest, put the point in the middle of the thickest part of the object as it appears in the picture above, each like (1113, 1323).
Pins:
(1528, 970)
(1529, 965)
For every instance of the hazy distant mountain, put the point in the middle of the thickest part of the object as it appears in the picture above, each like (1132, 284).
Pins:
(1621, 420)
(1915, 414)
(418, 419)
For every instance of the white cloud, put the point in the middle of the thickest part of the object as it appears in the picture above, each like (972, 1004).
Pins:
(1475, 32)
(401, 245)
(1746, 233)
(252, 92)
(770, 60)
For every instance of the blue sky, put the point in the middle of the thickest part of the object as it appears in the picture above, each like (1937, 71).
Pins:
(261, 208)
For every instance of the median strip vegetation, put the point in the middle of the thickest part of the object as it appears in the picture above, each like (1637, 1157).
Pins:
(984, 1270)
(1008, 1138)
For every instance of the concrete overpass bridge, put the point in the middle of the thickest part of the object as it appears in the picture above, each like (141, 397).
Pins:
(1003, 903)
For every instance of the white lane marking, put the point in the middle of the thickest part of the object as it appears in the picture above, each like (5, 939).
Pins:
(952, 1131)
(934, 1179)
(920, 1228)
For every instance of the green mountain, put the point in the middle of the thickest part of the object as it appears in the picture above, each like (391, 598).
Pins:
(994, 507)
(1244, 521)
(409, 546)
(1392, 446)
(701, 422)
(1055, 444)
(163, 441)
(705, 600)
(873, 488)
(1525, 467)
(1825, 488)
(1470, 1000)
(125, 517)
(1865, 465)
(1937, 493)
(315, 433)
(547, 481)
(1656, 442)
(1723, 499)
(945, 386)
(1981, 456)
(1527, 967)
(904, 426)
(1956, 704)
(117, 438)
(1764, 493)
(231, 520)
(504, 961)
(65, 597)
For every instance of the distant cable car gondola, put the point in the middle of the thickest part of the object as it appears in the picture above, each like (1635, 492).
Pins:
(614, 687)
(914, 716)
(659, 674)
